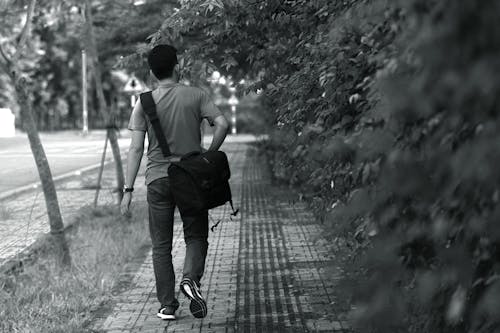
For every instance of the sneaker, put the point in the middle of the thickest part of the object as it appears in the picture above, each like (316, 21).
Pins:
(166, 313)
(198, 306)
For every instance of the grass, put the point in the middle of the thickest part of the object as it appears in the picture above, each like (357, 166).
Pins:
(43, 298)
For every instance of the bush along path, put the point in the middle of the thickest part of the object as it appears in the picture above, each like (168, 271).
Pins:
(268, 270)
(386, 114)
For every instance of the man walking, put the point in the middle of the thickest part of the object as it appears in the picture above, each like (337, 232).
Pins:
(180, 109)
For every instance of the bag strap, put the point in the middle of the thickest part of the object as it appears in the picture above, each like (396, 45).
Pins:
(149, 107)
(235, 212)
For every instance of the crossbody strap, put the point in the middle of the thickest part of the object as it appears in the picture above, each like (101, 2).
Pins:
(149, 107)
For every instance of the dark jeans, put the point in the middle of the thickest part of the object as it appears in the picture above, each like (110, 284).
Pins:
(161, 225)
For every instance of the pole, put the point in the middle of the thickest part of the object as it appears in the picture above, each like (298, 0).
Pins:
(233, 118)
(84, 94)
(101, 169)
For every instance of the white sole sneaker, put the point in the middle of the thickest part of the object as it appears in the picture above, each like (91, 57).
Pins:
(165, 316)
(198, 306)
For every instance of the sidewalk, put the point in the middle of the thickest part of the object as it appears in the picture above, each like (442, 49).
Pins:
(269, 270)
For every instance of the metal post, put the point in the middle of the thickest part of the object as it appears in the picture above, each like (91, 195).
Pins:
(101, 169)
(84, 94)
(233, 118)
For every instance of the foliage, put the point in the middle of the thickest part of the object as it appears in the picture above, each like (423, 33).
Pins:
(435, 197)
(53, 67)
(386, 114)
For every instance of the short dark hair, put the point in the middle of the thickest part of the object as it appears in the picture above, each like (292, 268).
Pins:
(162, 60)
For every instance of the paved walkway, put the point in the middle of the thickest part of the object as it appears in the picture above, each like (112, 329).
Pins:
(269, 270)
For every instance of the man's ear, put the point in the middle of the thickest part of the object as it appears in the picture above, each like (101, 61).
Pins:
(152, 75)
(177, 70)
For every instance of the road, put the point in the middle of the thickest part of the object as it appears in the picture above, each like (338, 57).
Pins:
(66, 152)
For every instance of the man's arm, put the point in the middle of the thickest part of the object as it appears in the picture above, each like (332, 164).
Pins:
(134, 158)
(221, 129)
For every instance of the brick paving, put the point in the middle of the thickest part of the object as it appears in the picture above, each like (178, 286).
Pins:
(268, 270)
(23, 218)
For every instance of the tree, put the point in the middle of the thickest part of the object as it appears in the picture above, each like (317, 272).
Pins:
(11, 67)
(103, 105)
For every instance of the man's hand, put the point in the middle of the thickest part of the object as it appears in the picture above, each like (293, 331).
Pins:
(125, 204)
(133, 162)
(220, 132)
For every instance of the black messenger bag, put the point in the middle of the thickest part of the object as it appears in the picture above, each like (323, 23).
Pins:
(199, 181)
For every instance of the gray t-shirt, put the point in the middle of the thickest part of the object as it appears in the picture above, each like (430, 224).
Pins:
(181, 110)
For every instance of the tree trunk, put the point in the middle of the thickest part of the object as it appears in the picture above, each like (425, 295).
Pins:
(23, 99)
(103, 106)
(48, 187)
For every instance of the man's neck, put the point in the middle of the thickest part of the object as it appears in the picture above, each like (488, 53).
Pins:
(167, 81)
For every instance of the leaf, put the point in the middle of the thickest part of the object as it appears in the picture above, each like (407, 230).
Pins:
(456, 306)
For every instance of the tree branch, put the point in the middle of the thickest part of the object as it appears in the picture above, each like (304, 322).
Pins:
(25, 33)
(8, 62)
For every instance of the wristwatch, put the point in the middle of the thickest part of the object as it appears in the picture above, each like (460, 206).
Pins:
(127, 189)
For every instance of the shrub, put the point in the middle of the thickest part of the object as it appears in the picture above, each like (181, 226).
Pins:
(386, 116)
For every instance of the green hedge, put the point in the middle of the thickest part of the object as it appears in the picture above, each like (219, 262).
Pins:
(404, 156)
(386, 116)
